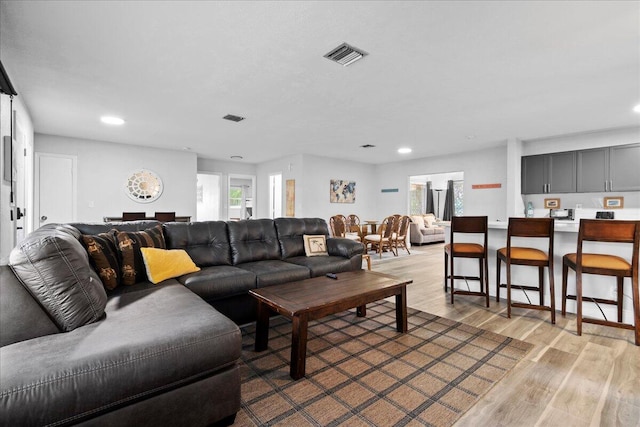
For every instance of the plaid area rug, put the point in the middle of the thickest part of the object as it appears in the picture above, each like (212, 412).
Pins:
(361, 372)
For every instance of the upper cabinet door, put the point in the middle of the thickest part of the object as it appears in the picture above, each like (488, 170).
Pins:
(533, 175)
(593, 170)
(561, 172)
(624, 168)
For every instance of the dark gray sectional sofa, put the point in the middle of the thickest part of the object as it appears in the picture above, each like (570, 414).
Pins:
(146, 354)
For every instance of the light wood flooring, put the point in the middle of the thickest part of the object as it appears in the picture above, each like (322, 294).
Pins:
(565, 380)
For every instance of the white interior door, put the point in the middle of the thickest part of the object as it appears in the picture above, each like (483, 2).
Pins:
(55, 188)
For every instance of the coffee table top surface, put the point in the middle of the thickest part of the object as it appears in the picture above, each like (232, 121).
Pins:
(310, 294)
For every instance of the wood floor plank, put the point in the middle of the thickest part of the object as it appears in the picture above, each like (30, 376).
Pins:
(582, 388)
(535, 385)
(593, 379)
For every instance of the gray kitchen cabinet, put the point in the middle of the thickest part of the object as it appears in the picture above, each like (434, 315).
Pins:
(549, 173)
(624, 169)
(609, 169)
(593, 170)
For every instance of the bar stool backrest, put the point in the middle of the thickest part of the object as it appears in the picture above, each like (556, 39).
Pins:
(605, 230)
(531, 227)
(470, 225)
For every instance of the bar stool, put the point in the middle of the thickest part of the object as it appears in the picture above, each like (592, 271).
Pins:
(598, 230)
(512, 255)
(474, 225)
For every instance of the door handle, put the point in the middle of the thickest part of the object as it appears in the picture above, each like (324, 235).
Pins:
(19, 213)
(43, 218)
(611, 185)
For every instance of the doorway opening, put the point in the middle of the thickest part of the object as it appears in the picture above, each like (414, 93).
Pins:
(428, 193)
(240, 197)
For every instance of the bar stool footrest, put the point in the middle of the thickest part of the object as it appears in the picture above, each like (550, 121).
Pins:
(608, 323)
(590, 299)
(533, 306)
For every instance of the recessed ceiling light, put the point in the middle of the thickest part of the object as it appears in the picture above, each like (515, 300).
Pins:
(404, 150)
(110, 120)
(637, 108)
(237, 157)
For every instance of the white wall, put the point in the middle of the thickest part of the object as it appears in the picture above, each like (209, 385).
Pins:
(313, 175)
(104, 167)
(23, 173)
(479, 167)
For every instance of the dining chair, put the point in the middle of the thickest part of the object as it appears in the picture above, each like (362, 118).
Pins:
(353, 224)
(477, 225)
(382, 239)
(617, 233)
(165, 216)
(399, 239)
(337, 223)
(526, 228)
(133, 216)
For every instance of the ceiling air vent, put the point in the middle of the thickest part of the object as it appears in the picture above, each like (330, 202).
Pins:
(345, 54)
(233, 118)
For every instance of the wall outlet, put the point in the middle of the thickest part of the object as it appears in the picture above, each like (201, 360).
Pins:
(578, 205)
(92, 204)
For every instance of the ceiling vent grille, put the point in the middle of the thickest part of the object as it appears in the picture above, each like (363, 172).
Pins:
(345, 54)
(233, 118)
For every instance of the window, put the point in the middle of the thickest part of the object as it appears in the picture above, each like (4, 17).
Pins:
(417, 199)
(235, 196)
(458, 197)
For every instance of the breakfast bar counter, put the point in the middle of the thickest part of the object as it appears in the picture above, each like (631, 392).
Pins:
(565, 241)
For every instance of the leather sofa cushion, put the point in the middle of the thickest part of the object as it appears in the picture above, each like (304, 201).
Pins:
(253, 240)
(321, 265)
(291, 230)
(21, 317)
(207, 243)
(273, 272)
(96, 228)
(166, 337)
(54, 266)
(222, 281)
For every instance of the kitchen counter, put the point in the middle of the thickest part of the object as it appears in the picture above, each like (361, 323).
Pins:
(565, 241)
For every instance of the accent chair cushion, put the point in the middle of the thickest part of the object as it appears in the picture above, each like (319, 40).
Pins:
(315, 244)
(163, 264)
(129, 244)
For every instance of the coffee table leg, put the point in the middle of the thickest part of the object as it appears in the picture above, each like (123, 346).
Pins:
(262, 327)
(298, 346)
(361, 311)
(401, 310)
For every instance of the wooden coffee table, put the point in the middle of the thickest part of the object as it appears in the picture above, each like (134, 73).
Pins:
(315, 298)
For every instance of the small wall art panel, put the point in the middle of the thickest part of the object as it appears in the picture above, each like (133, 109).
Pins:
(342, 191)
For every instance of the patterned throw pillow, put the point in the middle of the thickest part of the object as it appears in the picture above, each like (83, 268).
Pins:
(129, 244)
(104, 257)
(315, 244)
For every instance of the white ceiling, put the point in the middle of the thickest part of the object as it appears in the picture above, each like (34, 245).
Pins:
(441, 77)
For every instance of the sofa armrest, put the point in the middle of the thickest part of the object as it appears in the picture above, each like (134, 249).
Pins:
(414, 232)
(347, 248)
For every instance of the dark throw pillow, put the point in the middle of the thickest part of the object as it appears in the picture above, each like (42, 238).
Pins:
(104, 257)
(129, 244)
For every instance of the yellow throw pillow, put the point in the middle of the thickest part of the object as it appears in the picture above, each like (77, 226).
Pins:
(163, 264)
